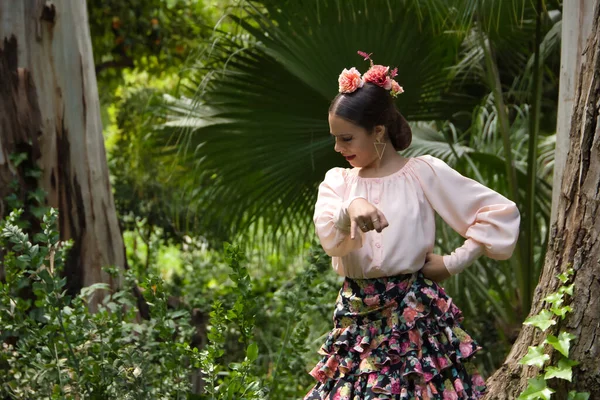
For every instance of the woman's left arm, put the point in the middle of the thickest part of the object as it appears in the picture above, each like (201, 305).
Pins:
(488, 220)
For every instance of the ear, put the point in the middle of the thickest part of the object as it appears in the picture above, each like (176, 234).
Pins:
(379, 132)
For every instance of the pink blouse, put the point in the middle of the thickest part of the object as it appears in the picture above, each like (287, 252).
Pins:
(408, 199)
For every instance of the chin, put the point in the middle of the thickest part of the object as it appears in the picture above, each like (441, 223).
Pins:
(357, 164)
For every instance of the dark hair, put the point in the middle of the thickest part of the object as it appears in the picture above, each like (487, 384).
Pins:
(370, 106)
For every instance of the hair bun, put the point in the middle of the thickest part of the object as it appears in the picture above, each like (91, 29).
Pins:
(400, 132)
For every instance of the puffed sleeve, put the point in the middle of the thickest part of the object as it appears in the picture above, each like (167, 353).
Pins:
(488, 220)
(331, 218)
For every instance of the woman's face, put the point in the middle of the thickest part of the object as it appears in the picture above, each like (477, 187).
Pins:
(353, 142)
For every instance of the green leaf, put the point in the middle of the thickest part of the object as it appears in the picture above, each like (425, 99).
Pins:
(562, 343)
(24, 258)
(573, 395)
(567, 289)
(18, 158)
(554, 298)
(252, 352)
(44, 274)
(543, 320)
(563, 371)
(34, 250)
(535, 356)
(564, 277)
(561, 311)
(536, 389)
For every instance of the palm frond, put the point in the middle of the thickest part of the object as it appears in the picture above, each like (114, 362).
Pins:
(258, 126)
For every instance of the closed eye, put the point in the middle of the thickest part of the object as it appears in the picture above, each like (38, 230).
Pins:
(343, 138)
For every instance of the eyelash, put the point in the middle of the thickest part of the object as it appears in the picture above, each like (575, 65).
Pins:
(343, 139)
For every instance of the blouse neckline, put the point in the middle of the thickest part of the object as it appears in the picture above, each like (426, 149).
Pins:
(379, 178)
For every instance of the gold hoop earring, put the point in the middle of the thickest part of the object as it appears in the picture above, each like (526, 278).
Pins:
(379, 147)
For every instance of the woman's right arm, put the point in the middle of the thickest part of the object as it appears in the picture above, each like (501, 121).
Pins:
(332, 221)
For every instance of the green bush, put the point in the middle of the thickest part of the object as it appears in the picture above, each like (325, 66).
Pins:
(262, 334)
(53, 347)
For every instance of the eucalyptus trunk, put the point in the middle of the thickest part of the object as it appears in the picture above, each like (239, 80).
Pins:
(50, 114)
(574, 242)
(576, 27)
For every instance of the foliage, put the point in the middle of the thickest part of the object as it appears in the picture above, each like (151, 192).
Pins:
(238, 383)
(258, 339)
(537, 356)
(54, 347)
(150, 35)
(143, 195)
(292, 302)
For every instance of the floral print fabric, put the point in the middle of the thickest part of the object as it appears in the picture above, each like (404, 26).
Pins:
(396, 338)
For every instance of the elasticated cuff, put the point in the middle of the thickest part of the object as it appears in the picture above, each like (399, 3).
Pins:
(462, 257)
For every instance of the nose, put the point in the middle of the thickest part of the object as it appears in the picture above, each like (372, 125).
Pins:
(337, 147)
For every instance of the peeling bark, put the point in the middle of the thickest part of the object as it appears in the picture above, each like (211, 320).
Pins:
(49, 109)
(575, 243)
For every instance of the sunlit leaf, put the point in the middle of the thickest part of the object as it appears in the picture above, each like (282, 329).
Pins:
(536, 389)
(543, 320)
(567, 289)
(561, 343)
(554, 298)
(562, 371)
(535, 356)
(561, 311)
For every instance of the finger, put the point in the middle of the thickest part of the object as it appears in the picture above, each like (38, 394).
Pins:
(376, 221)
(377, 225)
(363, 225)
(382, 220)
(353, 229)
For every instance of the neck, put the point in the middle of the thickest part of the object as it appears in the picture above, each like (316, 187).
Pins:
(390, 161)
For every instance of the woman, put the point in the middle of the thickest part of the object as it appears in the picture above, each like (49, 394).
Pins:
(396, 334)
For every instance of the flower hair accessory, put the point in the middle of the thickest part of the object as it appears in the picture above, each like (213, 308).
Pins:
(350, 79)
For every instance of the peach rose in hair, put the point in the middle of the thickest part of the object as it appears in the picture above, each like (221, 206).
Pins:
(349, 80)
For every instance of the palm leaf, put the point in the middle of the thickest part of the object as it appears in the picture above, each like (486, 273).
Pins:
(259, 126)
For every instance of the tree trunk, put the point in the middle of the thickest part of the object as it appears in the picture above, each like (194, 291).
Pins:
(576, 28)
(49, 110)
(575, 243)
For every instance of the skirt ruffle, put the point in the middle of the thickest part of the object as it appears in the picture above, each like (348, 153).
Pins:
(396, 338)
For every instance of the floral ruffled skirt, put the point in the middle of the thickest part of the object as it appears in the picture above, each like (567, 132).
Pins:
(396, 338)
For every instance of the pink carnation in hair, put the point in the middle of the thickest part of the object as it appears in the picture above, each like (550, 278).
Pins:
(377, 74)
(349, 80)
(396, 88)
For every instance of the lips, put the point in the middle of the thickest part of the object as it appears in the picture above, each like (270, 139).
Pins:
(349, 158)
